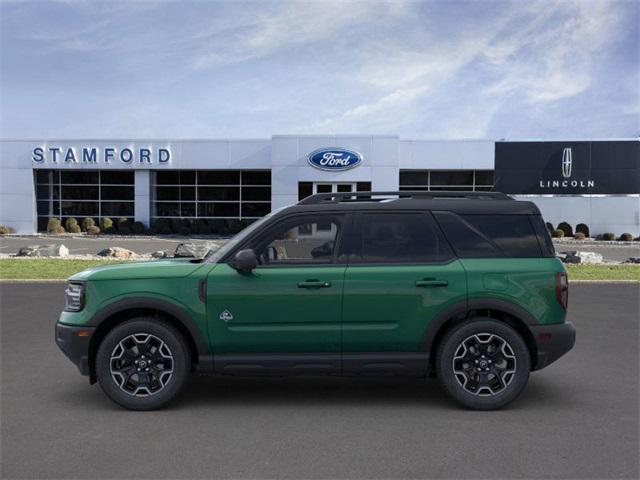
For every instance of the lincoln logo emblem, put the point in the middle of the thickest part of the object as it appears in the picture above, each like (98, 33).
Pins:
(567, 159)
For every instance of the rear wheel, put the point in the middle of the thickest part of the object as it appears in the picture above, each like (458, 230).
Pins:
(143, 363)
(484, 364)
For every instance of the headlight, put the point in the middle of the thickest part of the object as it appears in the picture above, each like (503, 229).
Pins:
(74, 297)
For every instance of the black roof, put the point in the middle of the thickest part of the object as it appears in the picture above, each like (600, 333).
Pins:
(457, 202)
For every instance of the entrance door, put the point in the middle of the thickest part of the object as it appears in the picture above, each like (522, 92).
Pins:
(323, 187)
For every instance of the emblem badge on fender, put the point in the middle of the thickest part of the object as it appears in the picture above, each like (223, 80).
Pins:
(226, 316)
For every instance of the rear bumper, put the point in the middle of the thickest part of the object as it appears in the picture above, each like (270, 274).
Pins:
(74, 343)
(552, 342)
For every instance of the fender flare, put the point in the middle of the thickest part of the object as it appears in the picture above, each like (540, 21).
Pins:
(198, 337)
(464, 307)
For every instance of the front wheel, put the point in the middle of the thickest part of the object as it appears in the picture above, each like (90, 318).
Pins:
(484, 364)
(142, 364)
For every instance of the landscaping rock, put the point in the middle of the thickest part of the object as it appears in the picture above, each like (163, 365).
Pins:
(632, 260)
(159, 254)
(582, 257)
(195, 250)
(51, 250)
(116, 252)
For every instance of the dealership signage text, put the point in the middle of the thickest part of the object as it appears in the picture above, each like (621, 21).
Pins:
(108, 155)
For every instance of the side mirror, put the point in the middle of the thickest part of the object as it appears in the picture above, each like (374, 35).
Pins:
(245, 260)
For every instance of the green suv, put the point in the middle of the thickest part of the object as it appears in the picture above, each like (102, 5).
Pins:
(462, 286)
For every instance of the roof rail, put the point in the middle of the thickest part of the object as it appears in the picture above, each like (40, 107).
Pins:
(338, 197)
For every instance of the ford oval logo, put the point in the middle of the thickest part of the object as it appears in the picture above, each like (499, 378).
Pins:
(334, 159)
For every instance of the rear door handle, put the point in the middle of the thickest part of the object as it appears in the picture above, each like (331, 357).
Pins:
(431, 282)
(314, 284)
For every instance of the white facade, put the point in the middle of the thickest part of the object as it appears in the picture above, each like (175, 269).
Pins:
(286, 157)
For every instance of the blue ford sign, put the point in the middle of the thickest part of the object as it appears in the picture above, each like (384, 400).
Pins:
(334, 159)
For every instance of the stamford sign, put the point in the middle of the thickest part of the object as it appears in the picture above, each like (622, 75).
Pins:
(334, 159)
(95, 155)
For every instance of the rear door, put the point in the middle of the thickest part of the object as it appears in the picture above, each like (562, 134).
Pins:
(401, 274)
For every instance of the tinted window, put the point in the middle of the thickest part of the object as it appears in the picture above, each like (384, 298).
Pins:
(306, 240)
(400, 238)
(490, 235)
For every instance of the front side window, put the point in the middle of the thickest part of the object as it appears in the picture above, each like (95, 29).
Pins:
(400, 238)
(307, 240)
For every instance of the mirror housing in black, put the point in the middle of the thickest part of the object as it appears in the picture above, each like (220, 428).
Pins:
(245, 260)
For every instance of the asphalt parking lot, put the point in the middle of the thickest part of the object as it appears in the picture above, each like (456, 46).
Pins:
(576, 419)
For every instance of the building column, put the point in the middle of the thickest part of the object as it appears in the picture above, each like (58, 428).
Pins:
(142, 189)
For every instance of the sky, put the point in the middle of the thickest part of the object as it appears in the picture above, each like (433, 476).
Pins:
(231, 69)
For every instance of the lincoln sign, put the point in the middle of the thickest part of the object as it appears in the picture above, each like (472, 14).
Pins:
(575, 168)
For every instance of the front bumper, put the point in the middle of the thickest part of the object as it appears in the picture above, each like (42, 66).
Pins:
(552, 342)
(74, 343)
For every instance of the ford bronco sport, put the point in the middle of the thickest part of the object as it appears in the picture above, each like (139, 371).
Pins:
(462, 286)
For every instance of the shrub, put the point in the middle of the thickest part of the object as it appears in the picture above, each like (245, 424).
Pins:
(71, 225)
(161, 226)
(219, 226)
(57, 230)
(607, 236)
(138, 228)
(566, 228)
(124, 226)
(202, 227)
(4, 230)
(54, 224)
(93, 230)
(579, 236)
(550, 227)
(583, 228)
(557, 233)
(626, 237)
(88, 222)
(106, 225)
(236, 226)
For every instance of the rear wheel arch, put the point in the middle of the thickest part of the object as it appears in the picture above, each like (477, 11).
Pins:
(121, 311)
(512, 315)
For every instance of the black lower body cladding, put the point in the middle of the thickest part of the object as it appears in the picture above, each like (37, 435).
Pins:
(552, 342)
(74, 343)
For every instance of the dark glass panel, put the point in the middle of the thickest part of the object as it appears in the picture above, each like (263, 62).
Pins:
(56, 192)
(42, 191)
(168, 177)
(188, 209)
(305, 189)
(218, 209)
(219, 177)
(80, 209)
(363, 187)
(256, 193)
(118, 177)
(56, 208)
(167, 209)
(117, 209)
(168, 193)
(467, 242)
(453, 177)
(255, 209)
(452, 189)
(79, 193)
(256, 177)
(43, 208)
(42, 176)
(187, 177)
(79, 177)
(414, 178)
(218, 193)
(323, 188)
(42, 223)
(187, 193)
(484, 177)
(116, 193)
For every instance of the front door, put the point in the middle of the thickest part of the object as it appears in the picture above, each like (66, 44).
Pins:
(290, 304)
(401, 274)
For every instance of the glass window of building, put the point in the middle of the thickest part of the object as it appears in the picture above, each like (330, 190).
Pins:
(220, 194)
(80, 194)
(452, 180)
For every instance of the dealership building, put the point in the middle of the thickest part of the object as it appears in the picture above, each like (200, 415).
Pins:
(596, 182)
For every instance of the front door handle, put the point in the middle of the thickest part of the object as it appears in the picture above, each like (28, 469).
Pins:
(314, 284)
(431, 282)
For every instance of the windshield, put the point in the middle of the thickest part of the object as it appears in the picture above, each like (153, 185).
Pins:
(214, 256)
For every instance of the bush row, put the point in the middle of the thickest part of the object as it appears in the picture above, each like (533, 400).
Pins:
(564, 230)
(161, 226)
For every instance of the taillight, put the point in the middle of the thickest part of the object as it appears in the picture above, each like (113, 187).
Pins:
(562, 289)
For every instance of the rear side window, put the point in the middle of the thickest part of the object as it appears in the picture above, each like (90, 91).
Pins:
(399, 238)
(487, 236)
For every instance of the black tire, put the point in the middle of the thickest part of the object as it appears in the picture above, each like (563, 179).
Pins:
(478, 373)
(168, 368)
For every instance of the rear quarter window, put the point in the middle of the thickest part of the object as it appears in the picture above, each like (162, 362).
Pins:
(490, 236)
